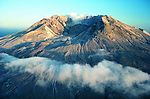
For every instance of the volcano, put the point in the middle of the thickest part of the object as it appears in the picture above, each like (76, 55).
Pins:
(83, 40)
(66, 57)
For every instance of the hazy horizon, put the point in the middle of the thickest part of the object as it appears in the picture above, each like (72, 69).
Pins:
(22, 14)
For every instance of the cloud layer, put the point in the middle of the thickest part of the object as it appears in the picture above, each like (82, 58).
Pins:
(105, 74)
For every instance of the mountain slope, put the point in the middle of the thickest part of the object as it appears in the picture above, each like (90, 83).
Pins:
(85, 40)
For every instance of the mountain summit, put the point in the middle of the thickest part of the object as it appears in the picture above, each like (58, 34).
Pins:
(85, 40)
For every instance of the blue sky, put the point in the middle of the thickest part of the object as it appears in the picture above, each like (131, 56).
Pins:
(23, 13)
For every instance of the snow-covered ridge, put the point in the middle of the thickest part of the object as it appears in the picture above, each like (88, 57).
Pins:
(146, 33)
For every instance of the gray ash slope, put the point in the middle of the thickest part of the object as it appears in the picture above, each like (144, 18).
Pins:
(86, 40)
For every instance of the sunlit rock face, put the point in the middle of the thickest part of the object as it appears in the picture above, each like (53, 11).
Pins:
(84, 40)
(42, 30)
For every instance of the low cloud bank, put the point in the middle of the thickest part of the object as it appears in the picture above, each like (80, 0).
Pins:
(105, 74)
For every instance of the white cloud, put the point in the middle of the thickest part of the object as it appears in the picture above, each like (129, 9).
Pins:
(106, 73)
(76, 16)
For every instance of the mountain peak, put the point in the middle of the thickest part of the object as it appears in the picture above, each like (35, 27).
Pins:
(73, 25)
(80, 40)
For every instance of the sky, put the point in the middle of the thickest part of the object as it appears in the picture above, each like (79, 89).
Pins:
(23, 13)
